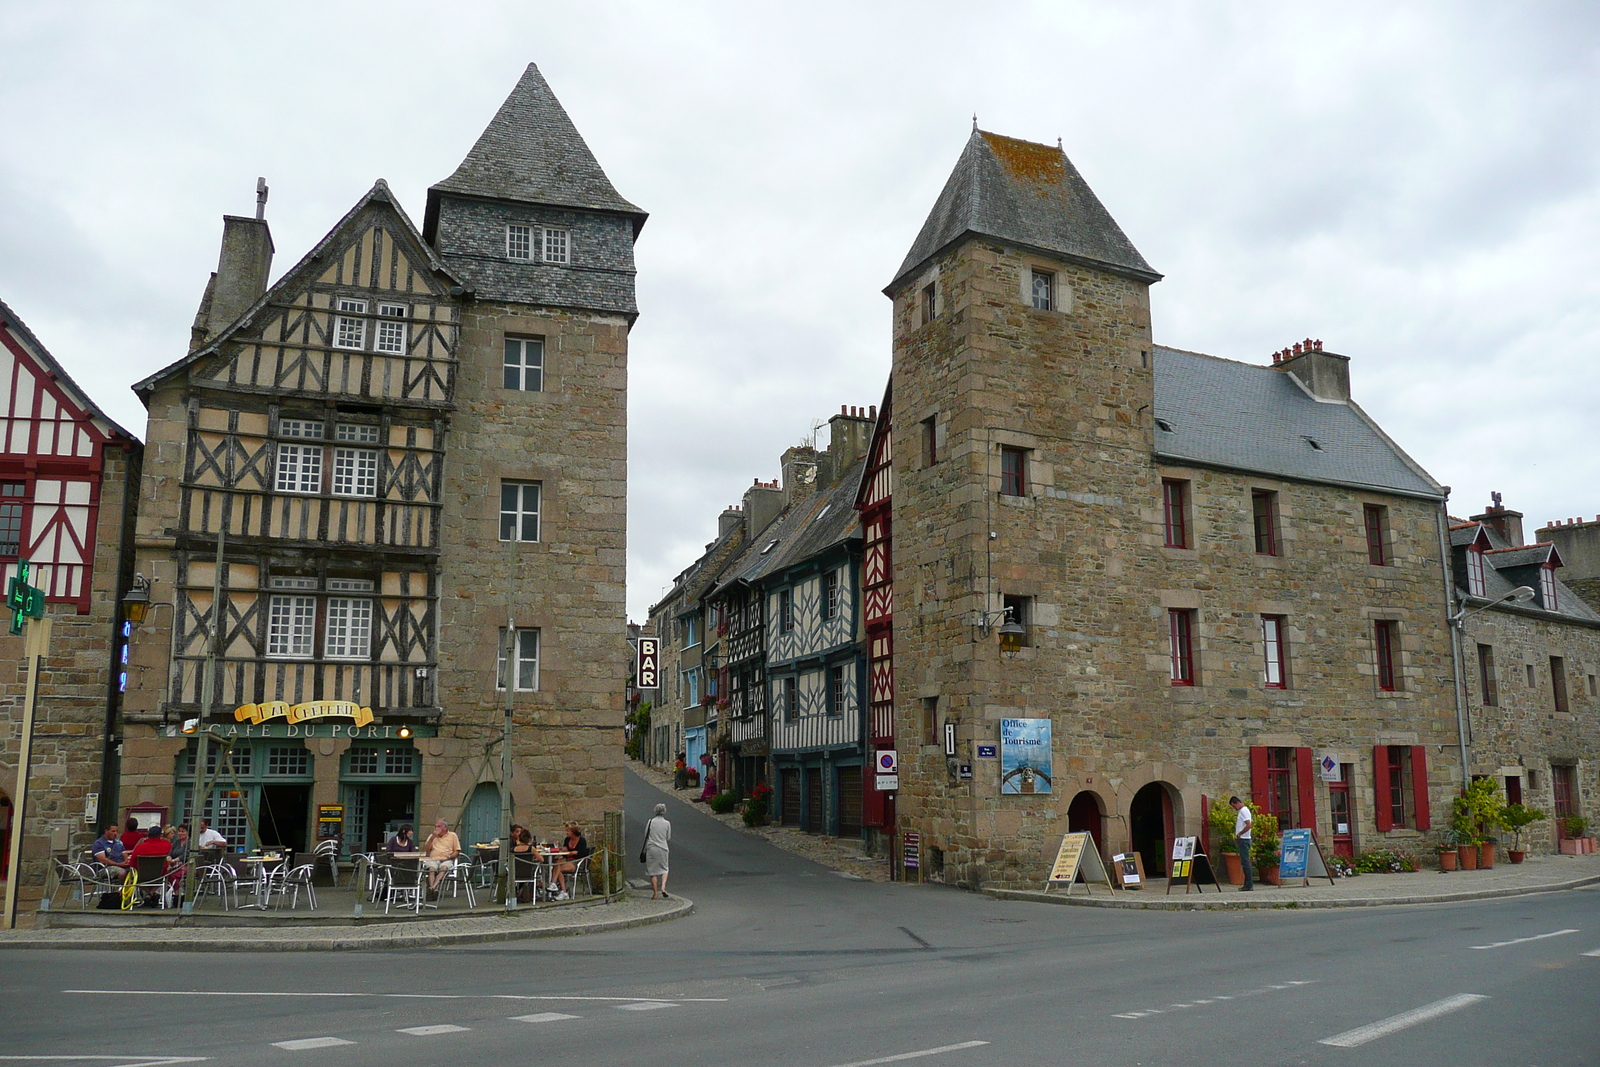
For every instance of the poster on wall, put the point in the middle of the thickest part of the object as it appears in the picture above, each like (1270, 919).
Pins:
(1025, 756)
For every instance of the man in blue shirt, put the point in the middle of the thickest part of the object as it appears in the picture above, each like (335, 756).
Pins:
(107, 849)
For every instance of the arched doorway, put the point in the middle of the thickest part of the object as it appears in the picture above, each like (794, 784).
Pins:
(480, 822)
(1084, 814)
(1150, 826)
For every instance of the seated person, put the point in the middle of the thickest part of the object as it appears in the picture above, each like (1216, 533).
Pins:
(522, 848)
(439, 852)
(107, 849)
(401, 841)
(578, 846)
(152, 844)
(209, 838)
(179, 836)
(131, 836)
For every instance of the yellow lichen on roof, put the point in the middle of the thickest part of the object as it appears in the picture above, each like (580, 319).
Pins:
(1036, 164)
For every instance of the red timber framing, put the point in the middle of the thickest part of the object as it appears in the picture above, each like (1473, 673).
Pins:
(874, 501)
(52, 443)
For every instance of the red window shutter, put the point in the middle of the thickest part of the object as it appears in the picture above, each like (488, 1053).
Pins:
(1305, 785)
(1258, 778)
(1419, 784)
(1380, 793)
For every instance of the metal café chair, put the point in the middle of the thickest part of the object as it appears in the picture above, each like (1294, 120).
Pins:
(152, 875)
(288, 879)
(82, 874)
(578, 878)
(327, 852)
(457, 878)
(528, 871)
(488, 865)
(214, 876)
(403, 883)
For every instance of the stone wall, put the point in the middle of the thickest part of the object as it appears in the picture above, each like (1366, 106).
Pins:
(1523, 733)
(1074, 388)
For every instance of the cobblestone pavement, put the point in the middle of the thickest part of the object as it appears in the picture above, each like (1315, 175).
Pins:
(634, 910)
(836, 853)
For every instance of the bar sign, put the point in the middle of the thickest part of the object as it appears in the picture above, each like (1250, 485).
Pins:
(647, 672)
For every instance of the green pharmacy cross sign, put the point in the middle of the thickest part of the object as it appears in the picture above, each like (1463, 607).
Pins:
(25, 601)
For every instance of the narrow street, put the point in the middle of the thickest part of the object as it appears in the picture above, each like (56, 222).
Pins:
(785, 962)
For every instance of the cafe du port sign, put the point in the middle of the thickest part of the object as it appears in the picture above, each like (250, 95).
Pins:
(256, 714)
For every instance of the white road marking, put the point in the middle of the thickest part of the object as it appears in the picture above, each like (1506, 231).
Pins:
(123, 1060)
(543, 1017)
(649, 1005)
(913, 1055)
(398, 996)
(1140, 1014)
(429, 1031)
(311, 1042)
(1522, 940)
(1384, 1027)
(1596, 952)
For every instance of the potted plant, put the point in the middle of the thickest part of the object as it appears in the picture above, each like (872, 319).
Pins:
(1449, 854)
(1222, 843)
(1483, 794)
(1573, 843)
(1516, 818)
(755, 809)
(1265, 846)
(1465, 828)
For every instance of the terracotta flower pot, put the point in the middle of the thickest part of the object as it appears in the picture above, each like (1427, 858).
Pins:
(1269, 875)
(1449, 859)
(1588, 843)
(1571, 846)
(1235, 872)
(1486, 855)
(1516, 855)
(1469, 857)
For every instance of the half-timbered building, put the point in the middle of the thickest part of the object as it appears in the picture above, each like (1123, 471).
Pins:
(66, 508)
(875, 502)
(401, 459)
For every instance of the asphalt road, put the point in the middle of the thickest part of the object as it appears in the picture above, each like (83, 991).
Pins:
(787, 963)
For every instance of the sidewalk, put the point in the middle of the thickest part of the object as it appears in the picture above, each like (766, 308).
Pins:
(351, 935)
(840, 854)
(1538, 874)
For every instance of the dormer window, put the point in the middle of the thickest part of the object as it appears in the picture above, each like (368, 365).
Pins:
(557, 245)
(1547, 587)
(1475, 583)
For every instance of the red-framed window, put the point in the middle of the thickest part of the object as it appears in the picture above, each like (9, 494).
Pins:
(1175, 508)
(1386, 643)
(1400, 787)
(1376, 519)
(1475, 579)
(1275, 651)
(13, 496)
(1282, 783)
(1013, 471)
(1180, 626)
(1264, 509)
(1547, 588)
(1564, 789)
(1488, 686)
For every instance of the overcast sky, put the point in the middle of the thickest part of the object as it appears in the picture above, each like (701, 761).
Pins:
(1414, 184)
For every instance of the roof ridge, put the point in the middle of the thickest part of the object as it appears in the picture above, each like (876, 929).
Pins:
(14, 324)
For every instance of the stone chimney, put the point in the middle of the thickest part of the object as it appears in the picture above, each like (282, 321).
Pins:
(1324, 375)
(731, 519)
(762, 503)
(242, 272)
(1507, 523)
(849, 435)
(799, 472)
(1579, 544)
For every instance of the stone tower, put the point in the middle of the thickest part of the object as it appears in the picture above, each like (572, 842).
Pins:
(1023, 393)
(535, 487)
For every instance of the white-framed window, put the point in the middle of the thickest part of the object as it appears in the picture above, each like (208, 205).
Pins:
(348, 631)
(1547, 588)
(299, 468)
(527, 644)
(519, 242)
(1475, 573)
(392, 328)
(291, 582)
(291, 622)
(1044, 290)
(355, 472)
(830, 595)
(837, 695)
(557, 245)
(350, 325)
(356, 431)
(524, 364)
(519, 511)
(300, 428)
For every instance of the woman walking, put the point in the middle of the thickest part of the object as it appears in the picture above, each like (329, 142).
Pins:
(657, 832)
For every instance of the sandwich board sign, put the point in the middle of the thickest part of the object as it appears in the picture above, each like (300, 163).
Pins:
(1077, 856)
(1180, 871)
(1129, 867)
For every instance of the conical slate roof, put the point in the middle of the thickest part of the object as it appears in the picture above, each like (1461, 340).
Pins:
(1027, 194)
(532, 152)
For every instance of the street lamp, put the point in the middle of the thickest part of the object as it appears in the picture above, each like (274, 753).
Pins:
(1010, 629)
(1520, 595)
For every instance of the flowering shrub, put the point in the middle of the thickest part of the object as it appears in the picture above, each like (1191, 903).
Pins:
(724, 802)
(755, 809)
(1385, 861)
(1340, 867)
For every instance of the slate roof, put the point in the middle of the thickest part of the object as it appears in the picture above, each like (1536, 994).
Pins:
(805, 529)
(1026, 194)
(1503, 556)
(53, 367)
(532, 152)
(1246, 417)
